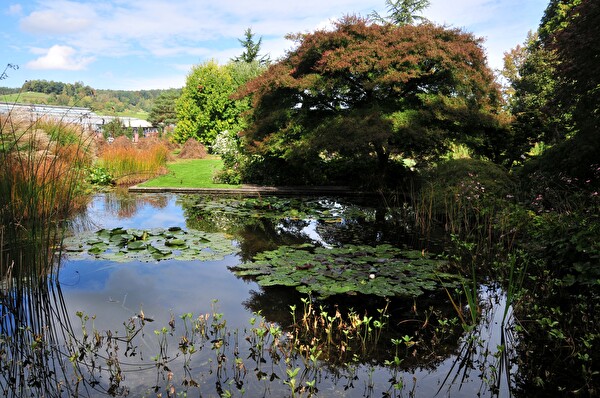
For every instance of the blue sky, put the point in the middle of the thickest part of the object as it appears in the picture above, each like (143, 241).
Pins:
(147, 44)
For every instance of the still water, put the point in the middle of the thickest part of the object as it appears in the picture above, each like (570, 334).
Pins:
(158, 309)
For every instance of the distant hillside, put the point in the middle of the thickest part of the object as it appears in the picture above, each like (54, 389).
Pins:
(136, 104)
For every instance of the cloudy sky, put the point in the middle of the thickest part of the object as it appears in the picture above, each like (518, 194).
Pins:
(145, 44)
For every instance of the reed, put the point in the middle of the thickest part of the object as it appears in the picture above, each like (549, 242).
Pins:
(44, 163)
(41, 185)
(130, 164)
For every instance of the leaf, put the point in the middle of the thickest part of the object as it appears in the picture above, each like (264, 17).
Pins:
(382, 270)
(136, 245)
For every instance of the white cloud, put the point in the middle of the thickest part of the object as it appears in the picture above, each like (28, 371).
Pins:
(14, 9)
(59, 18)
(193, 31)
(60, 58)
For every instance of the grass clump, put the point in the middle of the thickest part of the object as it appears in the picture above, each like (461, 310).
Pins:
(44, 164)
(129, 164)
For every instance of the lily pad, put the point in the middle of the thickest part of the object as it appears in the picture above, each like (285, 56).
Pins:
(149, 245)
(382, 270)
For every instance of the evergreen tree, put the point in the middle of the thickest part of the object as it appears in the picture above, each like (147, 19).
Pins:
(251, 49)
(402, 12)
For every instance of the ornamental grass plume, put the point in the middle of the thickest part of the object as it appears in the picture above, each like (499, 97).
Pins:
(130, 164)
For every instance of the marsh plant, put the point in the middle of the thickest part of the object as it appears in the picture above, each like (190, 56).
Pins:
(44, 163)
(43, 166)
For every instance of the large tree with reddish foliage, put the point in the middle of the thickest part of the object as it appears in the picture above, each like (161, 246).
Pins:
(369, 91)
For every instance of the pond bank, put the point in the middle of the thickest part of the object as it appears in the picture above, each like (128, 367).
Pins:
(259, 190)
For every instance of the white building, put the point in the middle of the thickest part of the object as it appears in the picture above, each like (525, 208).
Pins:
(73, 114)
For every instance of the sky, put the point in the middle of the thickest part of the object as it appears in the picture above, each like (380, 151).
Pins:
(153, 44)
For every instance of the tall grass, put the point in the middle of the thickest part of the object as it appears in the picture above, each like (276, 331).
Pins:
(130, 164)
(43, 165)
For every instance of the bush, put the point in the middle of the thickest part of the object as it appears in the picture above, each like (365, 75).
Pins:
(467, 180)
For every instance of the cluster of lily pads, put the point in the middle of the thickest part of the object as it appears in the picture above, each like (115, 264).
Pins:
(123, 245)
(382, 270)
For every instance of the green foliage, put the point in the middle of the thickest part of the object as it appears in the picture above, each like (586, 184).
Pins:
(556, 17)
(402, 12)
(100, 176)
(115, 128)
(251, 50)
(382, 270)
(163, 110)
(537, 117)
(103, 102)
(465, 182)
(577, 46)
(370, 91)
(125, 245)
(205, 108)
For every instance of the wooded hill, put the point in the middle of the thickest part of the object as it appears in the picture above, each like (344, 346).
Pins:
(107, 102)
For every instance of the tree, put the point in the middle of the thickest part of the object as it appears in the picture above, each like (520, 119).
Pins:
(251, 50)
(365, 90)
(555, 18)
(537, 118)
(402, 12)
(205, 108)
(163, 111)
(578, 49)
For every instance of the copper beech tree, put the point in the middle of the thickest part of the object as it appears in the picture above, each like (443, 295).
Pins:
(371, 91)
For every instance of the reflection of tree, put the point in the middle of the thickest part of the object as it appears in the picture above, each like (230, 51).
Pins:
(254, 233)
(266, 234)
(260, 224)
(126, 205)
(428, 347)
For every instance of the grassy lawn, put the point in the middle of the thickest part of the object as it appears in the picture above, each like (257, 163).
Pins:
(26, 97)
(193, 173)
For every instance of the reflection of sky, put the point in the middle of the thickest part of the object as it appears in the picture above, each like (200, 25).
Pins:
(145, 216)
(115, 291)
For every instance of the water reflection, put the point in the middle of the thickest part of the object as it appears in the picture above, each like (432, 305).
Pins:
(105, 328)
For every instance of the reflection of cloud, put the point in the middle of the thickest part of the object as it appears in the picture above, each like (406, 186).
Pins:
(114, 292)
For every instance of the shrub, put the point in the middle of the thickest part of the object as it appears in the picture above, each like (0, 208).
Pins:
(467, 197)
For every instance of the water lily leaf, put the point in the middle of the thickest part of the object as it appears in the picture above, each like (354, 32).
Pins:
(117, 231)
(382, 270)
(136, 245)
(150, 245)
(175, 242)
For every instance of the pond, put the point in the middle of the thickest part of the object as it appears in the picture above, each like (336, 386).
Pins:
(175, 295)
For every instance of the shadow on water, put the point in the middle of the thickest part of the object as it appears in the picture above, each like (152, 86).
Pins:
(144, 327)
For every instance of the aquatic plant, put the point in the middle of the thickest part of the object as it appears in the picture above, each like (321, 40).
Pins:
(124, 245)
(382, 270)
